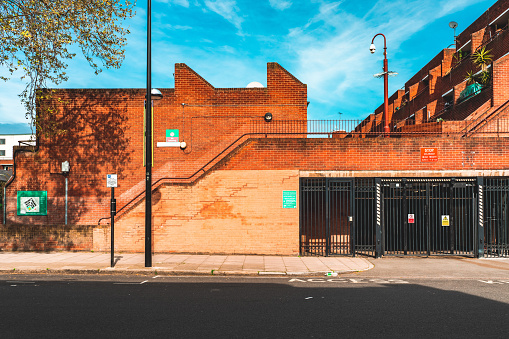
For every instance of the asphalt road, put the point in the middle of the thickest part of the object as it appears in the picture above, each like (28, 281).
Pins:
(43, 306)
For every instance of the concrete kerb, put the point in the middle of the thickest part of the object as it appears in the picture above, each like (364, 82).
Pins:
(163, 272)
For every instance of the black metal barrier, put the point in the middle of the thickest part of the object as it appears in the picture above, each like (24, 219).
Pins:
(398, 216)
(330, 208)
(496, 221)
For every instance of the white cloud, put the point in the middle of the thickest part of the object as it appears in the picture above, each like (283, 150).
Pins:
(227, 9)
(280, 4)
(183, 3)
(333, 45)
(174, 27)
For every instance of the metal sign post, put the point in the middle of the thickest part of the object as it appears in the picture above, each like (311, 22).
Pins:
(111, 181)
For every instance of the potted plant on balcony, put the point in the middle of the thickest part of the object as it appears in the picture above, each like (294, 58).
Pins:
(482, 58)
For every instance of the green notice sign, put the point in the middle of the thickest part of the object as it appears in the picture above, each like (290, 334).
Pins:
(172, 135)
(289, 199)
(32, 203)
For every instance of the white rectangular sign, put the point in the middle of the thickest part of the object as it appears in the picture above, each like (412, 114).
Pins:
(111, 180)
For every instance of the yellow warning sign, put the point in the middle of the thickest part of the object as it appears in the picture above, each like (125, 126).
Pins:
(445, 220)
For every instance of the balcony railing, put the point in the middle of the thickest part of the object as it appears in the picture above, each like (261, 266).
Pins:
(374, 128)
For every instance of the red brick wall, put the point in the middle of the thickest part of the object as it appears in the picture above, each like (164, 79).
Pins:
(237, 207)
(377, 154)
(483, 20)
(500, 81)
(53, 237)
(235, 212)
(101, 131)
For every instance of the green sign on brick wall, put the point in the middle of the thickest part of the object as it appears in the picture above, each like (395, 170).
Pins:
(289, 199)
(32, 203)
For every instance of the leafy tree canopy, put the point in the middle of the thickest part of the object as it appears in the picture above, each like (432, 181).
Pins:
(36, 37)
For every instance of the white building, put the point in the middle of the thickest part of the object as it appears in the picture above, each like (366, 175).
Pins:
(7, 142)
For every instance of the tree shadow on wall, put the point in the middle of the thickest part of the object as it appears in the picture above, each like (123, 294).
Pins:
(90, 130)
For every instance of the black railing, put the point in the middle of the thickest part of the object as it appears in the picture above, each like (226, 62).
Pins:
(373, 128)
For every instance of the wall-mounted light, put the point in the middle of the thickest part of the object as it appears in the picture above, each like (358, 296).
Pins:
(183, 145)
(65, 167)
(268, 117)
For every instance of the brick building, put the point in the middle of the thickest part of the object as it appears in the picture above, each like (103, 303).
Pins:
(440, 91)
(285, 186)
(7, 143)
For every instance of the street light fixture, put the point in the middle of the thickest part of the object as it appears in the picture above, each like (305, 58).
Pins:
(152, 94)
(155, 94)
(385, 73)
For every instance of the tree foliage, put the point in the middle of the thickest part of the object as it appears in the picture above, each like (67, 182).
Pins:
(38, 38)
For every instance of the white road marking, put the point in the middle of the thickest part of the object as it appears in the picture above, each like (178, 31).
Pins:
(497, 282)
(350, 280)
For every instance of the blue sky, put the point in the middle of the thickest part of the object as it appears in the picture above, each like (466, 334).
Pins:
(325, 44)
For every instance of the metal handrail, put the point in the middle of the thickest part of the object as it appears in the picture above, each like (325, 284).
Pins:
(330, 128)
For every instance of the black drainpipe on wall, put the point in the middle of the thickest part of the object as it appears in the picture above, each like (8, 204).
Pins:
(11, 179)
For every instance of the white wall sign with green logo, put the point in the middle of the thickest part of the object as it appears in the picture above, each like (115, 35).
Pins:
(32, 203)
(289, 199)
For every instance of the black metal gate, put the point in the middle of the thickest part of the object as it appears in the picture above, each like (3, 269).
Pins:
(430, 216)
(496, 217)
(414, 216)
(330, 211)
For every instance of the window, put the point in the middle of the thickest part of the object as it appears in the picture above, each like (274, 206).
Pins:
(2, 141)
(2, 153)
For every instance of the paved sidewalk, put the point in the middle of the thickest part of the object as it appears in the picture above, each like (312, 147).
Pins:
(177, 264)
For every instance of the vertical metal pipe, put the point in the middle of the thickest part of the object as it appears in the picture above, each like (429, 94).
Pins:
(301, 206)
(5, 207)
(113, 211)
(148, 145)
(351, 197)
(66, 190)
(327, 218)
(378, 214)
(480, 217)
(386, 94)
(405, 217)
(452, 233)
(427, 219)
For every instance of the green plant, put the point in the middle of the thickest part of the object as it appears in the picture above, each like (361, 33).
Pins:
(484, 77)
(482, 58)
(471, 78)
(440, 120)
(459, 56)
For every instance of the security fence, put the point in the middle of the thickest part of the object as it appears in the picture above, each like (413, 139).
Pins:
(404, 216)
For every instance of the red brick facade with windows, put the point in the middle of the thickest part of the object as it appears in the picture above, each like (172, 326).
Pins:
(223, 192)
(434, 92)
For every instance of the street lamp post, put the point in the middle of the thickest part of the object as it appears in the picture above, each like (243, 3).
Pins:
(152, 94)
(386, 83)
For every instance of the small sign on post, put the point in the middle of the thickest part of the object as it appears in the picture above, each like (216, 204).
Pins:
(445, 220)
(111, 180)
(411, 218)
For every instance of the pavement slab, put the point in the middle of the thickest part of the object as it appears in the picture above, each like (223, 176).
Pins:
(173, 264)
